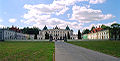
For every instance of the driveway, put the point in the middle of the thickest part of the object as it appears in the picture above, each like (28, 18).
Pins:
(68, 52)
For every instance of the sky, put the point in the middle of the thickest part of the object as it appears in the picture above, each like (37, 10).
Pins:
(77, 14)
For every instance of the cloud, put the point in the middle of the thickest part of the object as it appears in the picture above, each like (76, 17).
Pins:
(63, 24)
(67, 2)
(1, 26)
(1, 20)
(52, 22)
(109, 24)
(35, 18)
(21, 20)
(96, 1)
(62, 11)
(83, 14)
(12, 20)
(42, 9)
(68, 15)
(40, 15)
(57, 7)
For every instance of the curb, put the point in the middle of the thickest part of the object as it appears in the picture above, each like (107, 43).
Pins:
(54, 56)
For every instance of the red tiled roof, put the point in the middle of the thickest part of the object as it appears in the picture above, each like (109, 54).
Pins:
(96, 30)
(15, 29)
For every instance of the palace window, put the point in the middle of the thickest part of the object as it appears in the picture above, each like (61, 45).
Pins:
(104, 33)
(6, 33)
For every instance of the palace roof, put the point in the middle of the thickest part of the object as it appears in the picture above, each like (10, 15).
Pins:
(56, 27)
(67, 28)
(45, 28)
(15, 29)
(96, 30)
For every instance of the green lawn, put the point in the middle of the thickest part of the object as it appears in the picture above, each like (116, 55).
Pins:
(108, 47)
(26, 51)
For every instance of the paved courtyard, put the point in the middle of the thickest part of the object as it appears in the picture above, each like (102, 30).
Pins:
(68, 52)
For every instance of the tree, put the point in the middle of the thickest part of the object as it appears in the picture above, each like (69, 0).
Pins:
(86, 31)
(105, 27)
(68, 35)
(79, 34)
(46, 35)
(34, 30)
(115, 29)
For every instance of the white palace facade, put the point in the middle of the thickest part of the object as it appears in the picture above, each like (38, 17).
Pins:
(56, 33)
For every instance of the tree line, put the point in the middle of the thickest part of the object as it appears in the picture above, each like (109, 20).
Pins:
(34, 31)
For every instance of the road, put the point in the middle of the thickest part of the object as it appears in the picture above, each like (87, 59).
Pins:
(68, 52)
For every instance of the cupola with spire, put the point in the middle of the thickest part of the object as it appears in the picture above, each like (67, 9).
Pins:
(67, 28)
(56, 27)
(45, 28)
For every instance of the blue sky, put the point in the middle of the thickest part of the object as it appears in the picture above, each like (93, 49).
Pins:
(78, 14)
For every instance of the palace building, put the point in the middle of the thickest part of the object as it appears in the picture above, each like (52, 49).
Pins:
(56, 33)
(13, 33)
(98, 34)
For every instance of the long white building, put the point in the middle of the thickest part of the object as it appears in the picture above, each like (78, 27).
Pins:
(6, 34)
(56, 33)
(104, 34)
(98, 33)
